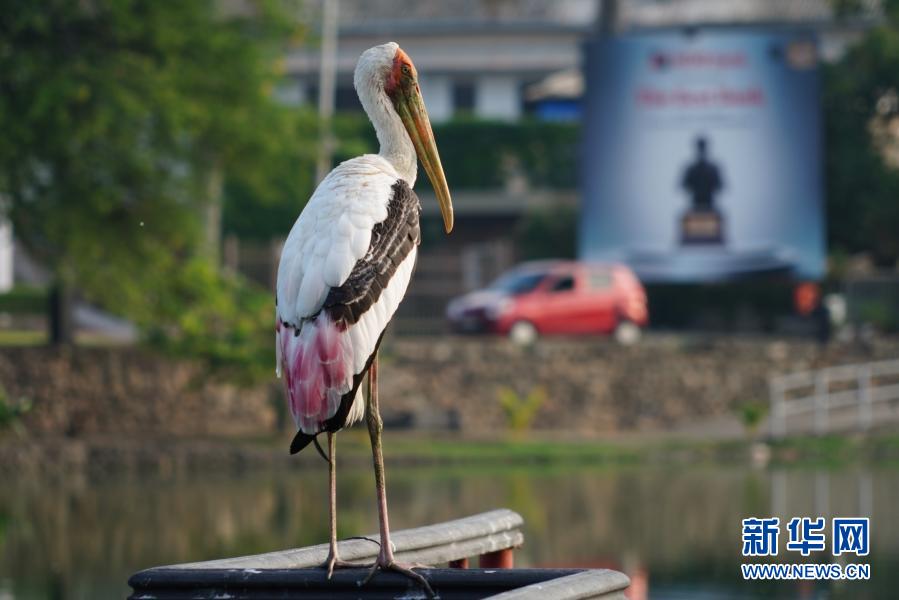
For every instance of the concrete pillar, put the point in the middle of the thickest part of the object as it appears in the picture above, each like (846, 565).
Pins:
(6, 255)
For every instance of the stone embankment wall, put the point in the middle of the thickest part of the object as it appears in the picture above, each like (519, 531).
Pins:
(128, 392)
(592, 386)
(596, 386)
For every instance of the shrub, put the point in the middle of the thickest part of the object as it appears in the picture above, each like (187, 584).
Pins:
(521, 410)
(24, 300)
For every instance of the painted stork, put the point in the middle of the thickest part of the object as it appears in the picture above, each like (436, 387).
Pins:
(345, 268)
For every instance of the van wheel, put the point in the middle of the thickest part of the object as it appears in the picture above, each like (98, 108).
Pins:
(523, 333)
(627, 333)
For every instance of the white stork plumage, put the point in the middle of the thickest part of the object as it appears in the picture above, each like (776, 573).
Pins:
(345, 268)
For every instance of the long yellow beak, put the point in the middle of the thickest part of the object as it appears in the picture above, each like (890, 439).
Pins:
(411, 108)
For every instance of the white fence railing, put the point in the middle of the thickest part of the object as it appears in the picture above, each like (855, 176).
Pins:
(860, 389)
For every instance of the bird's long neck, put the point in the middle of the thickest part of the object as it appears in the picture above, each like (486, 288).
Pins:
(396, 146)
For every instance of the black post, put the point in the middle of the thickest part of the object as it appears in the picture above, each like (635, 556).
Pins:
(61, 319)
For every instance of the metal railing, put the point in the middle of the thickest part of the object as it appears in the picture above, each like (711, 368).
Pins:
(492, 536)
(835, 398)
(297, 573)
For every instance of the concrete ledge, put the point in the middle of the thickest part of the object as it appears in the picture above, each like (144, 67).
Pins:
(432, 544)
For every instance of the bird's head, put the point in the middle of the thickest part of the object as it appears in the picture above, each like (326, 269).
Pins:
(392, 70)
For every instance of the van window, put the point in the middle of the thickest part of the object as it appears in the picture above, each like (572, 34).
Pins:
(565, 284)
(517, 283)
(600, 280)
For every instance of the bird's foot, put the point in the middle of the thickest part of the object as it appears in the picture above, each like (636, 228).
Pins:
(386, 563)
(333, 562)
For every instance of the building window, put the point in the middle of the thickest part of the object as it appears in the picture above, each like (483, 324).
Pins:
(345, 98)
(463, 97)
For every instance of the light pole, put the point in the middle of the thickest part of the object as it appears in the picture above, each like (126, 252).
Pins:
(326, 87)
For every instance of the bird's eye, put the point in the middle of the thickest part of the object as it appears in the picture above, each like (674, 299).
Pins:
(406, 70)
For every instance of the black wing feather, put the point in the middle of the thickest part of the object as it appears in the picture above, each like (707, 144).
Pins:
(391, 242)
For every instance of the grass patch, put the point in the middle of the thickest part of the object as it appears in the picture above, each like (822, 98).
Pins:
(38, 337)
(414, 448)
(837, 450)
(452, 453)
(16, 337)
(418, 449)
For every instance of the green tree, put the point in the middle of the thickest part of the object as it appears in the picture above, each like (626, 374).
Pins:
(119, 119)
(861, 112)
(544, 152)
(266, 206)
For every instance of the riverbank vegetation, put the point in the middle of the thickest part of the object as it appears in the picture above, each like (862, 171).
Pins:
(168, 456)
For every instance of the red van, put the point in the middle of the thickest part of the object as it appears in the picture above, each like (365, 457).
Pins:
(555, 297)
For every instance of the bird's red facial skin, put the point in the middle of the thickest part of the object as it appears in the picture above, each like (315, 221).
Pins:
(402, 74)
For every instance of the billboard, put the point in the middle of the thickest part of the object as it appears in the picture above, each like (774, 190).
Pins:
(702, 155)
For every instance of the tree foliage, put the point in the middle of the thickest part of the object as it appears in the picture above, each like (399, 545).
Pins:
(861, 110)
(115, 115)
(546, 153)
(266, 208)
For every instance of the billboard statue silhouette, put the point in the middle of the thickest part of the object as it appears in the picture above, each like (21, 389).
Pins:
(702, 223)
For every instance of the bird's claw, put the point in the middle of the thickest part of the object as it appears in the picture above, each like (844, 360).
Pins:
(391, 565)
(332, 562)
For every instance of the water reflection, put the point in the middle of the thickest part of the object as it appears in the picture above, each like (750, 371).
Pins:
(80, 538)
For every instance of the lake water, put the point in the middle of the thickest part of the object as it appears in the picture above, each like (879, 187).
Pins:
(675, 530)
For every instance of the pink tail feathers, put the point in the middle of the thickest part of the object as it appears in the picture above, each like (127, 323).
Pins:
(317, 370)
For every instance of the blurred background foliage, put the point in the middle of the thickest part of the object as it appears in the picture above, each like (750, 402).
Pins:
(861, 168)
(221, 318)
(546, 153)
(120, 118)
(24, 299)
(265, 206)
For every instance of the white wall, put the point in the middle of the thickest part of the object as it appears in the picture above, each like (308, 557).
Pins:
(293, 92)
(437, 91)
(497, 97)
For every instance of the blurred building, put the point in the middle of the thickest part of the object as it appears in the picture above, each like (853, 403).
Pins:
(506, 60)
(475, 57)
(503, 59)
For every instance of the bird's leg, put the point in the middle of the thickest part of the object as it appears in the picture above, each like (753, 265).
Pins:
(385, 560)
(333, 561)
